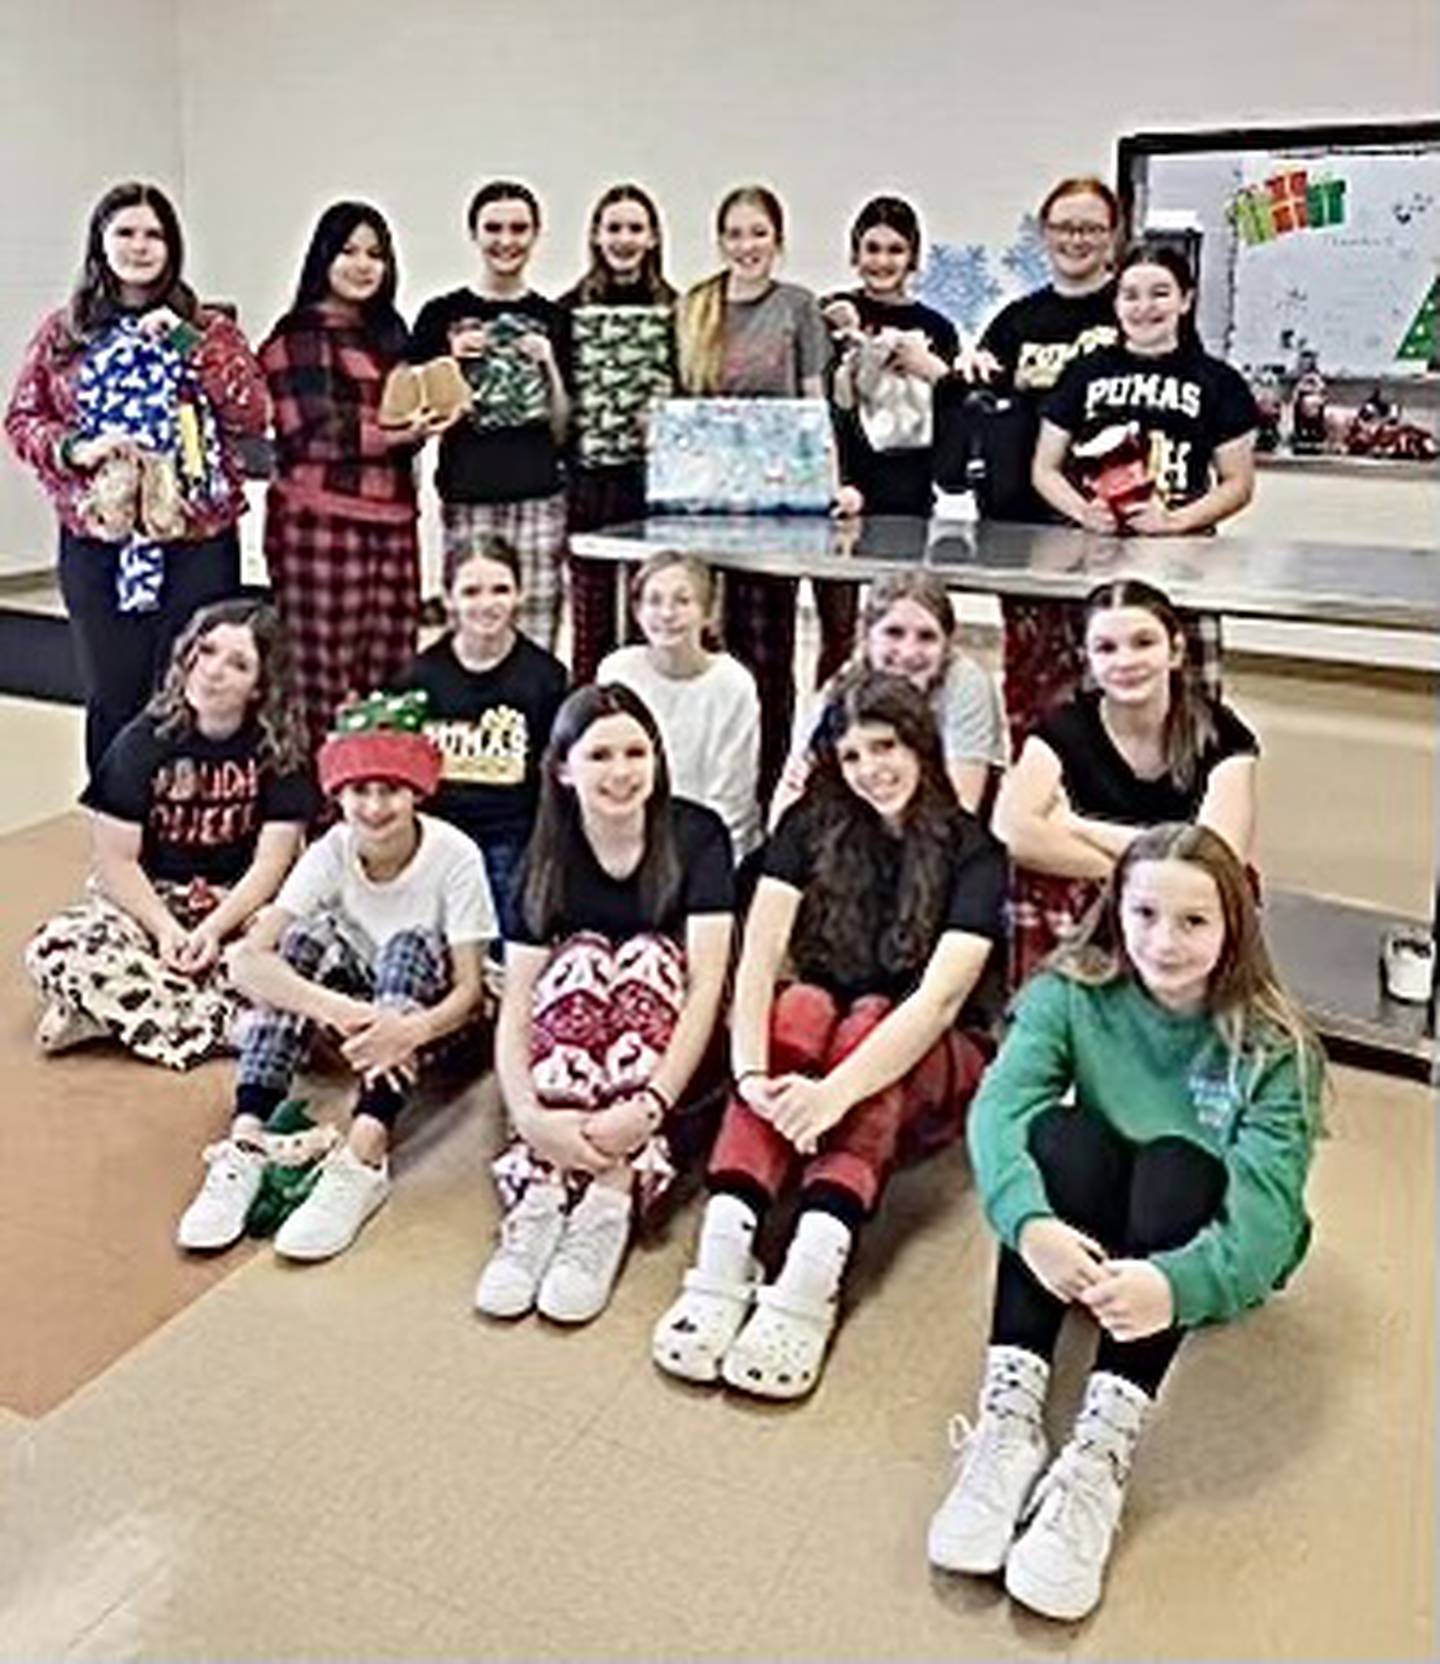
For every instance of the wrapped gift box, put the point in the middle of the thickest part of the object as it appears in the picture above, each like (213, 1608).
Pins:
(624, 358)
(741, 456)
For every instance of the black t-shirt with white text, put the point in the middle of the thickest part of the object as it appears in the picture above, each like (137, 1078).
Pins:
(614, 906)
(1185, 402)
(491, 726)
(974, 904)
(497, 465)
(199, 802)
(1100, 783)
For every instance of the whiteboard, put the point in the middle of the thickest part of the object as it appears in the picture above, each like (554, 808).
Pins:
(1350, 287)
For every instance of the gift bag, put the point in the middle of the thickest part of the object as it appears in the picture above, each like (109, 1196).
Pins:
(740, 456)
(624, 358)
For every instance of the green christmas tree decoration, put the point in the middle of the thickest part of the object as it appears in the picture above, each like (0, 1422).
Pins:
(1422, 339)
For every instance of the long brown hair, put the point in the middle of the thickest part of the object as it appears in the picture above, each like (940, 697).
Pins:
(559, 837)
(652, 284)
(1250, 1007)
(700, 323)
(836, 924)
(1189, 721)
(95, 301)
(276, 711)
(926, 589)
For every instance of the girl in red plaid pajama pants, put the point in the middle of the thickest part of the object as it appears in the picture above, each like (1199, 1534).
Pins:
(885, 899)
(340, 524)
(613, 980)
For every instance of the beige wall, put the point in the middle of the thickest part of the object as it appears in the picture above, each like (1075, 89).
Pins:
(263, 110)
(89, 91)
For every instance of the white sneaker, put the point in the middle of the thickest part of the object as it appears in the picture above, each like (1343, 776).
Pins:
(998, 1461)
(577, 1285)
(1058, 1566)
(529, 1234)
(347, 1192)
(216, 1217)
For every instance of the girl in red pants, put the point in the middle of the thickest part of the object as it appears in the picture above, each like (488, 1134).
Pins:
(884, 897)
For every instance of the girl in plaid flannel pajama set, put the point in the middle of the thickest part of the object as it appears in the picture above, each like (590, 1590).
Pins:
(128, 406)
(613, 983)
(376, 937)
(500, 471)
(340, 521)
(884, 899)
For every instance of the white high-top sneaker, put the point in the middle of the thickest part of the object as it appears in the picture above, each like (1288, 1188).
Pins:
(582, 1271)
(529, 1234)
(1058, 1565)
(998, 1460)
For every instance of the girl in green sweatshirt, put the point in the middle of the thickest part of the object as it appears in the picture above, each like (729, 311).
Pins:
(1140, 1147)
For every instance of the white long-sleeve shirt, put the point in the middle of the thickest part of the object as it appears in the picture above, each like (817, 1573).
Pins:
(710, 724)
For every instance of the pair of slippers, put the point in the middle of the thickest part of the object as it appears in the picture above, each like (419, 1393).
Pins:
(756, 1337)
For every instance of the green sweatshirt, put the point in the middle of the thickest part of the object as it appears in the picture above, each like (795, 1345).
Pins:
(1150, 1073)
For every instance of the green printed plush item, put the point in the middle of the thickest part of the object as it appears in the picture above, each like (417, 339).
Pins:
(624, 357)
(295, 1146)
(509, 387)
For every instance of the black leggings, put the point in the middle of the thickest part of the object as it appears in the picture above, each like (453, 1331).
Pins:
(121, 655)
(1134, 1199)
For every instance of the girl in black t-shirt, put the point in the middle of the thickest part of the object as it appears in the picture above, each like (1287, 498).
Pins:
(884, 897)
(613, 979)
(623, 358)
(491, 698)
(197, 812)
(500, 466)
(1185, 420)
(892, 352)
(1145, 747)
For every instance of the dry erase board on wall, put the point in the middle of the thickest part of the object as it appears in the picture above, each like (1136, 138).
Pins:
(1323, 240)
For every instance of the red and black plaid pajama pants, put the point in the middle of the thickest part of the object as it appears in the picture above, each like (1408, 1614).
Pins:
(349, 594)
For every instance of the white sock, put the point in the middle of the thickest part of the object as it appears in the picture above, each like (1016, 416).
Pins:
(727, 1236)
(816, 1261)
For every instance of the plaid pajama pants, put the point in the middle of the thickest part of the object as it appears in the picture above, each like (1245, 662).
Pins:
(535, 529)
(810, 1033)
(94, 957)
(349, 593)
(410, 971)
(599, 589)
(602, 1018)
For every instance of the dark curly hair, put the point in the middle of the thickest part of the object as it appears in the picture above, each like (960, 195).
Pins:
(838, 923)
(282, 733)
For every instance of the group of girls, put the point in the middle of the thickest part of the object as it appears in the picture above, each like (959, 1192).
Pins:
(1141, 1141)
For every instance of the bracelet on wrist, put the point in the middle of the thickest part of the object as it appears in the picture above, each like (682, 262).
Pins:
(658, 1099)
(742, 1075)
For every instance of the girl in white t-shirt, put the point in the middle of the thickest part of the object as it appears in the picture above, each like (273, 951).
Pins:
(376, 936)
(704, 701)
(908, 628)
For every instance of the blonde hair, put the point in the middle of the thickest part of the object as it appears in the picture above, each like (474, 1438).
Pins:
(1253, 1014)
(661, 561)
(700, 317)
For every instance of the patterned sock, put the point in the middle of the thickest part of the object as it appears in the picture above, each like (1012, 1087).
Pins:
(727, 1236)
(817, 1258)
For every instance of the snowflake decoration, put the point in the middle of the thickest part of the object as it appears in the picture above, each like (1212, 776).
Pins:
(1025, 259)
(957, 281)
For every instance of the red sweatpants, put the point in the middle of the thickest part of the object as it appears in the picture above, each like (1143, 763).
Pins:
(810, 1033)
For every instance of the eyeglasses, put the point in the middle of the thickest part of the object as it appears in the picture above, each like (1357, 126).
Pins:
(1077, 230)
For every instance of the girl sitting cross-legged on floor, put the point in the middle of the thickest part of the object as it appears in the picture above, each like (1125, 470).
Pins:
(884, 897)
(1140, 1146)
(613, 982)
(197, 812)
(377, 937)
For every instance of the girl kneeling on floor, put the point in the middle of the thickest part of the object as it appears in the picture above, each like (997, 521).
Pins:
(1141, 1146)
(612, 988)
(197, 812)
(376, 937)
(885, 898)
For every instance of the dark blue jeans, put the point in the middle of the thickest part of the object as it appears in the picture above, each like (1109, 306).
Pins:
(502, 854)
(121, 654)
